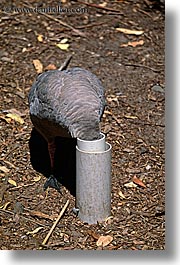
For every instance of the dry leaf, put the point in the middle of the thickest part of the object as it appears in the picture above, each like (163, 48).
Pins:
(15, 117)
(138, 182)
(4, 169)
(108, 218)
(129, 31)
(36, 179)
(41, 215)
(35, 231)
(65, 40)
(63, 46)
(93, 234)
(3, 117)
(130, 185)
(6, 205)
(38, 66)
(121, 195)
(104, 4)
(12, 182)
(104, 241)
(15, 111)
(50, 67)
(107, 112)
(40, 38)
(133, 43)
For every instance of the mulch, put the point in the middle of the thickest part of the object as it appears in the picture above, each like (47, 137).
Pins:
(131, 68)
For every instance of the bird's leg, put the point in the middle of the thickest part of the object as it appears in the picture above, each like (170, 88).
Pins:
(52, 181)
(52, 149)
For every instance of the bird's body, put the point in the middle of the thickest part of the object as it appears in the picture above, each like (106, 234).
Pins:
(67, 103)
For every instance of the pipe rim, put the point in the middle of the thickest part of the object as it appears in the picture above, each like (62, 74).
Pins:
(96, 152)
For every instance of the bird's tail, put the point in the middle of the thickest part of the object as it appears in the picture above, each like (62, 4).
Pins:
(65, 64)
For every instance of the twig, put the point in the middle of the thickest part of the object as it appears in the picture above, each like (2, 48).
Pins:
(55, 223)
(7, 162)
(91, 25)
(145, 66)
(10, 151)
(27, 219)
(100, 7)
(56, 244)
(80, 33)
(142, 122)
(22, 186)
(113, 116)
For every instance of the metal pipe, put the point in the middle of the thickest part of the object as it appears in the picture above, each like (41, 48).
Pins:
(93, 180)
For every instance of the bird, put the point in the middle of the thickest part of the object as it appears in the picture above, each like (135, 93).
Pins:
(66, 103)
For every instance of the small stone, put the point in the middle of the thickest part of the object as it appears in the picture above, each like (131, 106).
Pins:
(7, 59)
(158, 88)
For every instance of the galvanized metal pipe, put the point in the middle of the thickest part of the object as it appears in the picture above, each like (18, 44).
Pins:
(93, 180)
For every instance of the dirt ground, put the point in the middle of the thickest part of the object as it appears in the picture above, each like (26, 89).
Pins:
(131, 67)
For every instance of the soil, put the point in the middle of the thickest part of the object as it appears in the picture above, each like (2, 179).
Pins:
(131, 68)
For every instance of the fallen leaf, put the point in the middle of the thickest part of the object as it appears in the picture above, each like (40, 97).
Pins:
(15, 117)
(36, 179)
(107, 112)
(128, 150)
(65, 40)
(108, 218)
(40, 38)
(4, 169)
(93, 234)
(24, 49)
(104, 241)
(130, 185)
(12, 182)
(6, 205)
(104, 4)
(15, 111)
(38, 66)
(138, 182)
(3, 117)
(63, 46)
(50, 67)
(129, 31)
(35, 231)
(41, 215)
(133, 43)
(121, 195)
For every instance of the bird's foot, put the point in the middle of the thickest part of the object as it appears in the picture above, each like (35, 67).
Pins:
(53, 183)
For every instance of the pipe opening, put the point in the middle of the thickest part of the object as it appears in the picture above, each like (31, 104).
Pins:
(98, 145)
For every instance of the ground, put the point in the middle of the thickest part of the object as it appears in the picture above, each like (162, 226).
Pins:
(131, 68)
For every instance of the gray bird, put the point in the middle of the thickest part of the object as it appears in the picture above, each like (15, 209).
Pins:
(66, 103)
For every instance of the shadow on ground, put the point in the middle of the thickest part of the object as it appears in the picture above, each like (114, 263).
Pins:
(65, 159)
